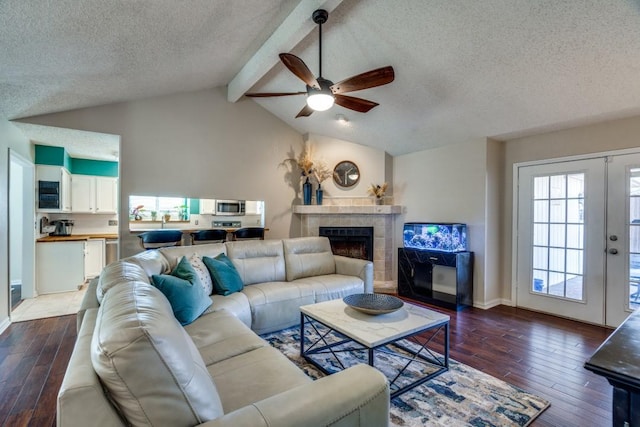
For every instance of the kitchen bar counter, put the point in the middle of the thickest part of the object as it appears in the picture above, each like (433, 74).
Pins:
(77, 237)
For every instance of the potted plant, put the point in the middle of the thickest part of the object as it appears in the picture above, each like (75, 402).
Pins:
(167, 216)
(154, 215)
(137, 212)
(305, 163)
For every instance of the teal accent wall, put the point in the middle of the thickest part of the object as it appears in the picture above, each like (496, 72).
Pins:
(57, 156)
(94, 167)
(194, 206)
(47, 155)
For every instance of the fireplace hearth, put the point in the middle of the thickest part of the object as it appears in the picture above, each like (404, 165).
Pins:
(352, 242)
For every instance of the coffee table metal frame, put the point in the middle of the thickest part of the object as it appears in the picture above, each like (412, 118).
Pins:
(423, 355)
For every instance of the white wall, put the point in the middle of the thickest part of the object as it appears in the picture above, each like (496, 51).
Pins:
(446, 184)
(197, 145)
(607, 136)
(374, 164)
(10, 138)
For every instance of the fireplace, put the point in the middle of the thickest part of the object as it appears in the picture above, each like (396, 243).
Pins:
(352, 242)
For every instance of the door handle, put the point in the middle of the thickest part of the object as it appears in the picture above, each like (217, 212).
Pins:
(613, 251)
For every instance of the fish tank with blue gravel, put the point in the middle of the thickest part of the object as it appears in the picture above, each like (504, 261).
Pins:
(445, 237)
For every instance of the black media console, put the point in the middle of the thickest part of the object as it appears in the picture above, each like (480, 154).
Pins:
(415, 277)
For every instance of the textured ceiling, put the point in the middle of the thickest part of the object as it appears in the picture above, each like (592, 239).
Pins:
(465, 69)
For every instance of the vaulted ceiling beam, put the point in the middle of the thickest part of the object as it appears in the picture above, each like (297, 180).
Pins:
(291, 32)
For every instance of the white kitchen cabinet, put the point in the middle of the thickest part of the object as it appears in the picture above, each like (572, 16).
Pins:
(60, 266)
(208, 206)
(94, 194)
(94, 260)
(253, 207)
(61, 175)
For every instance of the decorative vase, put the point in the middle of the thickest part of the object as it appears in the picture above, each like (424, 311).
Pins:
(379, 201)
(306, 192)
(319, 195)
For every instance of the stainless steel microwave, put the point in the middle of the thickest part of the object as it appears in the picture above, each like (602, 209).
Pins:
(230, 207)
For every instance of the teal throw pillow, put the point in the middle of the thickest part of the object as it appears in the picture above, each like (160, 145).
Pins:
(187, 297)
(226, 279)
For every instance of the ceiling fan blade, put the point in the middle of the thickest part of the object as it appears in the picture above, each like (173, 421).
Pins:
(268, 94)
(305, 112)
(373, 78)
(356, 104)
(299, 68)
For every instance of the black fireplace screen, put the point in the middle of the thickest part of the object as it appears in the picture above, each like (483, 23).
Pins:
(352, 242)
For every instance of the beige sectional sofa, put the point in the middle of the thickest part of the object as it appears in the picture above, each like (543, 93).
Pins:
(134, 364)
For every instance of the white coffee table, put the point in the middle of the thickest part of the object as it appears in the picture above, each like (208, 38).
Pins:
(380, 333)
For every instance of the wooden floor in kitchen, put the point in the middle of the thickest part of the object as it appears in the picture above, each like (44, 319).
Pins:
(539, 353)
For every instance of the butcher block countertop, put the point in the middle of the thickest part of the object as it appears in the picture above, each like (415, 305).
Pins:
(77, 237)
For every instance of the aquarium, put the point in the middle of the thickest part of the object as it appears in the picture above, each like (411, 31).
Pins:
(446, 237)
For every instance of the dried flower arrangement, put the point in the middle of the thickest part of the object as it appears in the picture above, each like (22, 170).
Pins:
(305, 163)
(377, 190)
(322, 172)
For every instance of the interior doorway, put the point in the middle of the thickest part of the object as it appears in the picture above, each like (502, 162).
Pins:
(578, 238)
(21, 229)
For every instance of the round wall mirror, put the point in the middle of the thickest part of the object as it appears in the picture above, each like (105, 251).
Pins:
(346, 174)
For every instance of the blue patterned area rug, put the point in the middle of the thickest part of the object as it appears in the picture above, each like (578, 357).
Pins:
(461, 396)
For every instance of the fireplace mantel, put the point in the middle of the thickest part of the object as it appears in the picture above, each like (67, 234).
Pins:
(346, 210)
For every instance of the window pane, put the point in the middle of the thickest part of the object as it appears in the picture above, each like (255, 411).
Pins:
(540, 256)
(575, 238)
(574, 261)
(634, 182)
(556, 259)
(556, 235)
(556, 284)
(634, 210)
(575, 185)
(558, 187)
(541, 187)
(575, 211)
(539, 281)
(557, 212)
(634, 238)
(540, 234)
(574, 287)
(541, 211)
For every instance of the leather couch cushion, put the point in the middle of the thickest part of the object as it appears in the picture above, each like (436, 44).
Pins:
(236, 304)
(332, 286)
(174, 254)
(220, 335)
(258, 261)
(147, 361)
(276, 305)
(120, 273)
(265, 373)
(308, 256)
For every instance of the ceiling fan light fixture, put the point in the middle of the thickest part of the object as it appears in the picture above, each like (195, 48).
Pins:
(320, 101)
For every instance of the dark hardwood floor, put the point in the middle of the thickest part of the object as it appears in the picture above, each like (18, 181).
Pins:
(539, 353)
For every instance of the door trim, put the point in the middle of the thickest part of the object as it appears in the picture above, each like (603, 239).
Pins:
(514, 202)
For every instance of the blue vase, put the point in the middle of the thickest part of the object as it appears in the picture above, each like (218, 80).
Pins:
(319, 195)
(306, 192)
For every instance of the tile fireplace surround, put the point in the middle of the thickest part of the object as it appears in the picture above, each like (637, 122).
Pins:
(380, 217)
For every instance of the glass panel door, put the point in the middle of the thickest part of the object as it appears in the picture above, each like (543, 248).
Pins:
(560, 261)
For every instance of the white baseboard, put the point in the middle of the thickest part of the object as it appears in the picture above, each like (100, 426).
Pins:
(493, 303)
(4, 324)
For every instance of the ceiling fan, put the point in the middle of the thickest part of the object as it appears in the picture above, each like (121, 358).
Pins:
(322, 93)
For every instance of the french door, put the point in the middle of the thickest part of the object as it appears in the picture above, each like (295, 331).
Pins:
(578, 238)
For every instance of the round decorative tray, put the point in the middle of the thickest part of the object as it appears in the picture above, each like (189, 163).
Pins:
(373, 303)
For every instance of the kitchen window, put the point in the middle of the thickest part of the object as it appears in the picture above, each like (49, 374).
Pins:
(150, 208)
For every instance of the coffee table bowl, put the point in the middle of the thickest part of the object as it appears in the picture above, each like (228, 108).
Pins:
(373, 304)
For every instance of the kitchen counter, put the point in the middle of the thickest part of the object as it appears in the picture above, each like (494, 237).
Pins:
(77, 237)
